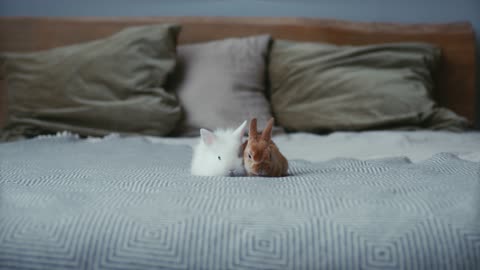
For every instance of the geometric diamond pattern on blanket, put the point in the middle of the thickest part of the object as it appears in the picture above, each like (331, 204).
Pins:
(384, 255)
(162, 243)
(472, 247)
(262, 247)
(128, 203)
(40, 243)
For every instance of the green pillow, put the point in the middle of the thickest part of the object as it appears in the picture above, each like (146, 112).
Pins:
(320, 87)
(114, 84)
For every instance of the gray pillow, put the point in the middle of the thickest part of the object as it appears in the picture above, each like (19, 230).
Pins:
(221, 83)
(322, 87)
(114, 84)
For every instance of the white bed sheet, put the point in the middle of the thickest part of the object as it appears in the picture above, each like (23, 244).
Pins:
(415, 145)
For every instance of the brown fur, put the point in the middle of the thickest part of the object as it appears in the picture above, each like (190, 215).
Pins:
(265, 158)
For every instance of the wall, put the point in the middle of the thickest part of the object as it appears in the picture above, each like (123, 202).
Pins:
(359, 10)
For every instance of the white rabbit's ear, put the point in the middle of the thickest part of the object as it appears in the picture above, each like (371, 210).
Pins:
(240, 131)
(207, 136)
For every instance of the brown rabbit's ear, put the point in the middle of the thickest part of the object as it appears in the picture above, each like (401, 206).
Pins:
(252, 133)
(267, 132)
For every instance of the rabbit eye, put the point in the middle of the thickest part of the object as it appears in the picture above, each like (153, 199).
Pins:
(249, 156)
(219, 158)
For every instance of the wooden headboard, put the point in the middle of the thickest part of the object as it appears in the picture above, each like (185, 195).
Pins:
(455, 80)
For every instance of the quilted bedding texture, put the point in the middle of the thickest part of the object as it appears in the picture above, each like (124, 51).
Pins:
(126, 203)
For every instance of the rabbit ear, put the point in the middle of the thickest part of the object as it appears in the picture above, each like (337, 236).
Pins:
(267, 132)
(240, 131)
(252, 133)
(207, 136)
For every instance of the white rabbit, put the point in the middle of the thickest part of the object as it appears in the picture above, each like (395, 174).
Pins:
(218, 153)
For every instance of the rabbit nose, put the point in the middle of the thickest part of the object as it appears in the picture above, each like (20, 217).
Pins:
(232, 172)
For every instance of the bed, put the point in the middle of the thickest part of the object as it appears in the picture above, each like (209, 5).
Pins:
(370, 199)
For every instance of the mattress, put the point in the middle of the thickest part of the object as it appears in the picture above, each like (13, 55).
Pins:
(131, 203)
(414, 145)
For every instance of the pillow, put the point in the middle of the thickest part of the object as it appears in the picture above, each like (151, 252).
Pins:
(320, 87)
(221, 83)
(114, 84)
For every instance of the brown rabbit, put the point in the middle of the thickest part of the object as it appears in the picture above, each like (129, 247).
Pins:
(261, 156)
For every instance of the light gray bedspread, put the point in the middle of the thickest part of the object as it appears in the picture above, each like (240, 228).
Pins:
(126, 203)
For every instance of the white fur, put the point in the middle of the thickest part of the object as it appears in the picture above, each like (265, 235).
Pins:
(225, 143)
